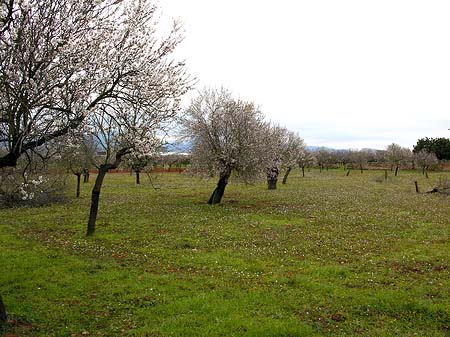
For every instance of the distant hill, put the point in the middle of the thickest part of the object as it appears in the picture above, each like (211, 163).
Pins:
(178, 147)
(186, 146)
(318, 148)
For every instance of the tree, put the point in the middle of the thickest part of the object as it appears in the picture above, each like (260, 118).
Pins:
(323, 158)
(171, 159)
(425, 159)
(64, 61)
(137, 163)
(395, 155)
(439, 146)
(77, 149)
(274, 139)
(59, 60)
(293, 150)
(226, 138)
(305, 159)
(123, 130)
(359, 158)
(283, 149)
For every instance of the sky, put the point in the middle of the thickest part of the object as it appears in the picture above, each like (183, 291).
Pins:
(343, 74)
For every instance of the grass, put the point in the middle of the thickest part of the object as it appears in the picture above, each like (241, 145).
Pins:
(324, 255)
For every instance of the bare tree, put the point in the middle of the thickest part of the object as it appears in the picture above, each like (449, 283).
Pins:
(59, 60)
(396, 155)
(226, 138)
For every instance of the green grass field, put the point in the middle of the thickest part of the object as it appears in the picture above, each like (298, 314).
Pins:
(324, 255)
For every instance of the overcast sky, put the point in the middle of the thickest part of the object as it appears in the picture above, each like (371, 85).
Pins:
(343, 74)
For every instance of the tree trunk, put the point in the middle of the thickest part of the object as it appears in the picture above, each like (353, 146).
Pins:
(216, 196)
(348, 172)
(385, 175)
(138, 178)
(303, 171)
(272, 178)
(272, 183)
(361, 168)
(78, 183)
(286, 175)
(396, 170)
(86, 176)
(3, 315)
(95, 198)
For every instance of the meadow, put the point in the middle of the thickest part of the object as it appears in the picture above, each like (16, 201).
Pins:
(324, 255)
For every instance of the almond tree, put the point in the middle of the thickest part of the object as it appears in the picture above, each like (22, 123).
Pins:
(226, 138)
(77, 150)
(324, 158)
(358, 158)
(425, 159)
(395, 155)
(274, 141)
(123, 129)
(305, 159)
(66, 62)
(293, 150)
(137, 162)
(59, 60)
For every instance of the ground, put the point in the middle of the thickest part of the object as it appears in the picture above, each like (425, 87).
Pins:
(324, 255)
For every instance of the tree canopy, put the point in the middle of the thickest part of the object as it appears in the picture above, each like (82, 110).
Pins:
(439, 146)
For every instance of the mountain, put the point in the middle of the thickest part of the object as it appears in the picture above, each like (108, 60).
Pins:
(178, 147)
(186, 146)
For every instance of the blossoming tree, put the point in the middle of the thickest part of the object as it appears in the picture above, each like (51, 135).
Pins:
(226, 134)
(59, 60)
(68, 62)
(293, 151)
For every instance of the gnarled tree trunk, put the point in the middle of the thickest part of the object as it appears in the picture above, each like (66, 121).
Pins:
(286, 175)
(272, 178)
(272, 183)
(216, 196)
